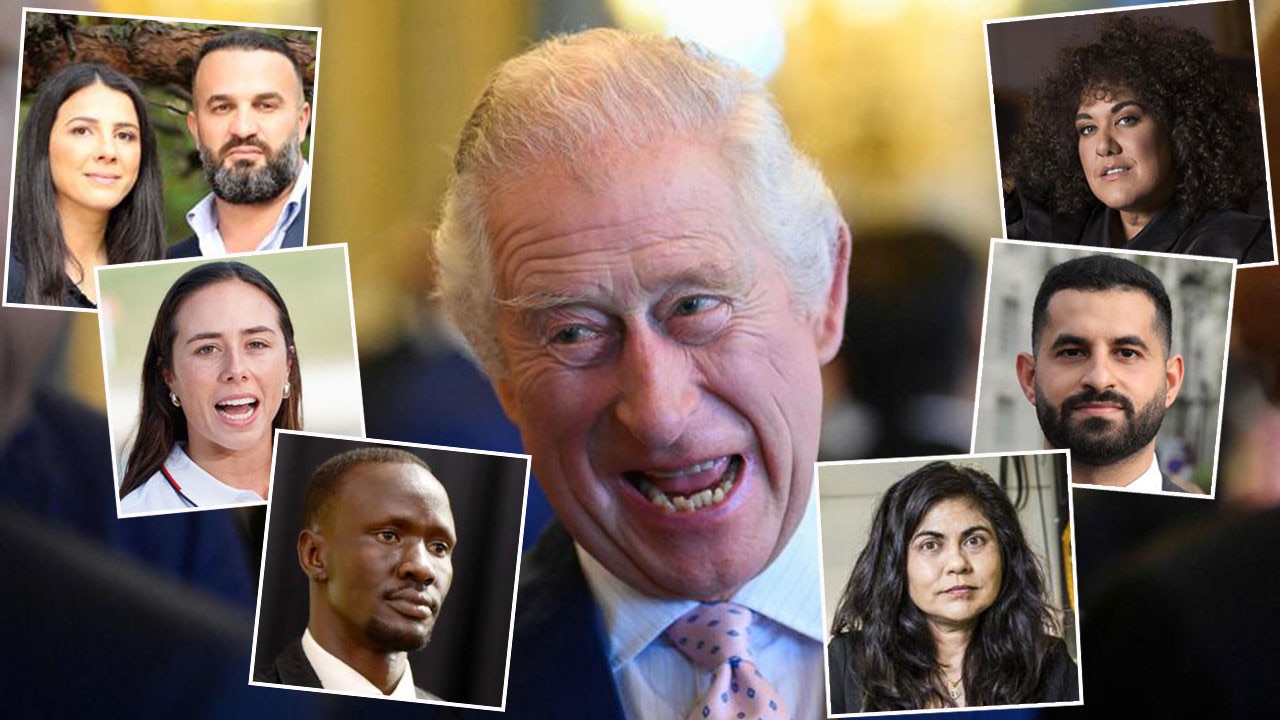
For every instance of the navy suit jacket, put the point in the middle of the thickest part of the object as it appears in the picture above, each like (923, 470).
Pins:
(558, 662)
(190, 247)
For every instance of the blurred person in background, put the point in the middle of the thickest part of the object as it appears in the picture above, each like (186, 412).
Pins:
(903, 382)
(946, 605)
(219, 375)
(1141, 140)
(88, 189)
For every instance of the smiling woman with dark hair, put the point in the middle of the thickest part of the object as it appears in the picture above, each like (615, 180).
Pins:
(1141, 139)
(87, 187)
(945, 606)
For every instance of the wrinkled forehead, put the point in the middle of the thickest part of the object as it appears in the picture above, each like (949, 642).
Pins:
(675, 211)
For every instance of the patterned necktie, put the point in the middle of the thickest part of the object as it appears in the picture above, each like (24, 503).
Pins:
(714, 637)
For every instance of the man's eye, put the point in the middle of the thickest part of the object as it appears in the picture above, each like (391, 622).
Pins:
(694, 305)
(1071, 353)
(697, 319)
(1128, 353)
(573, 335)
(440, 549)
(388, 536)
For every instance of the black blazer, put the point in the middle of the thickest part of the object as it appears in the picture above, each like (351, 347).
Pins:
(1213, 233)
(1059, 681)
(190, 247)
(291, 667)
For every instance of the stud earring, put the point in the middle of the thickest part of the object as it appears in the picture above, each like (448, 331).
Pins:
(287, 388)
(173, 398)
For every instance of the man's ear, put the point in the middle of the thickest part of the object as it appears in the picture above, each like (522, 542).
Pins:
(304, 121)
(1026, 366)
(192, 127)
(828, 319)
(1173, 373)
(312, 555)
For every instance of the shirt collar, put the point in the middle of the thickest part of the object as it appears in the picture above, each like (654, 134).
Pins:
(1150, 480)
(203, 219)
(205, 490)
(786, 592)
(335, 674)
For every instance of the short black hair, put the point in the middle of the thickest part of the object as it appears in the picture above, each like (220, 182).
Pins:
(326, 481)
(1096, 273)
(248, 40)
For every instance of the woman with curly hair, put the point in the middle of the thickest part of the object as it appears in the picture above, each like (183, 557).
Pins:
(945, 606)
(1141, 140)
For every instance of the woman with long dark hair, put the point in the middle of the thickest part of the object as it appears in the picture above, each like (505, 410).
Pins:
(1141, 139)
(87, 189)
(220, 374)
(945, 606)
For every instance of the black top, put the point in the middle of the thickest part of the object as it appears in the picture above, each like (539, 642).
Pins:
(1213, 233)
(17, 288)
(1059, 681)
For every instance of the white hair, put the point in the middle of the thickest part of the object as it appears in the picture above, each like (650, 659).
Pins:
(572, 99)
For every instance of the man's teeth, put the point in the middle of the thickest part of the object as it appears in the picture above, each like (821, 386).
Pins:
(688, 503)
(691, 470)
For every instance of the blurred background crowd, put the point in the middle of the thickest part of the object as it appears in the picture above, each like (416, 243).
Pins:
(892, 99)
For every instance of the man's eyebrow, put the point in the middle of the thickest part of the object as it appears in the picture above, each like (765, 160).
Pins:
(1130, 340)
(1065, 339)
(715, 278)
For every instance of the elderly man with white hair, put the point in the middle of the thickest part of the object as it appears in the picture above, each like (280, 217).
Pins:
(652, 276)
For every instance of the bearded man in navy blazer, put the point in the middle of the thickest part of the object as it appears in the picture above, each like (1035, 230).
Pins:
(652, 277)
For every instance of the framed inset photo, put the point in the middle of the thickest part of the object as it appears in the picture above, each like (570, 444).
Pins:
(204, 359)
(147, 138)
(1118, 357)
(390, 570)
(1138, 129)
(940, 575)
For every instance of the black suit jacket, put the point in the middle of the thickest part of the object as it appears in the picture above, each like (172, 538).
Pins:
(291, 667)
(190, 247)
(558, 662)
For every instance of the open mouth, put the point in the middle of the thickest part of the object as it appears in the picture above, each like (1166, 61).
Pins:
(1114, 172)
(720, 476)
(237, 409)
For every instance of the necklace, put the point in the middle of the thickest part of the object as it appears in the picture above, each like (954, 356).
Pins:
(955, 689)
